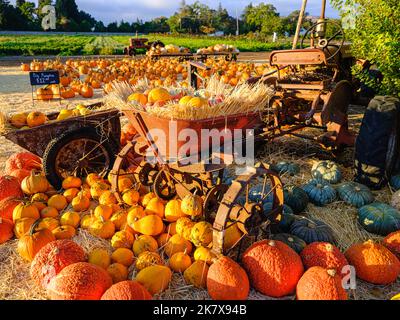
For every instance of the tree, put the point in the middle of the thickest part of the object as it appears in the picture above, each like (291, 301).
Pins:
(11, 17)
(374, 30)
(19, 3)
(263, 18)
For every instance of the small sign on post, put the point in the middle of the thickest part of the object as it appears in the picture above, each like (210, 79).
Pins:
(45, 78)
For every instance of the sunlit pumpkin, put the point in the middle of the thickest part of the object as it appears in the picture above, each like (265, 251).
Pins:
(44, 94)
(64, 232)
(57, 201)
(34, 183)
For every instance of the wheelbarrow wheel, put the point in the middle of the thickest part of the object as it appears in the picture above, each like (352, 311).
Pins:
(78, 153)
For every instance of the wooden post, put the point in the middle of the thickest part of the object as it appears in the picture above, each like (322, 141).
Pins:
(299, 23)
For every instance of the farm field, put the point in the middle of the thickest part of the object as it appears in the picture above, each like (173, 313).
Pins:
(68, 45)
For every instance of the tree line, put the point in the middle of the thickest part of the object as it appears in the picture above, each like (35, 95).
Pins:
(196, 18)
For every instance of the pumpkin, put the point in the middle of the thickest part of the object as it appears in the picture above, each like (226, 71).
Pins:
(184, 227)
(155, 206)
(118, 272)
(6, 230)
(312, 230)
(54, 257)
(373, 262)
(192, 205)
(150, 225)
(125, 184)
(162, 239)
(260, 193)
(7, 207)
(30, 243)
(18, 120)
(286, 167)
(44, 94)
(64, 232)
(320, 192)
(48, 212)
(319, 283)
(70, 194)
(144, 243)
(355, 194)
(67, 93)
(138, 97)
(201, 234)
(232, 235)
(227, 280)
(40, 200)
(86, 91)
(171, 228)
(100, 257)
(34, 183)
(296, 198)
(204, 254)
(287, 219)
(292, 241)
(71, 182)
(97, 189)
(396, 297)
(177, 244)
(392, 242)
(147, 259)
(394, 182)
(48, 223)
(25, 211)
(155, 278)
(108, 198)
(80, 202)
(20, 174)
(104, 211)
(196, 274)
(326, 170)
(25, 67)
(22, 160)
(325, 255)
(135, 214)
(273, 267)
(57, 201)
(122, 239)
(159, 95)
(379, 218)
(22, 226)
(79, 281)
(102, 229)
(127, 290)
(179, 262)
(92, 178)
(146, 198)
(131, 197)
(119, 219)
(10, 187)
(35, 119)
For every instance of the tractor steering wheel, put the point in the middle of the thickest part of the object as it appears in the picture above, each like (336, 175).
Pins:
(324, 44)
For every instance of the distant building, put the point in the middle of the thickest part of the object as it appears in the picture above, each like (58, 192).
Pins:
(217, 34)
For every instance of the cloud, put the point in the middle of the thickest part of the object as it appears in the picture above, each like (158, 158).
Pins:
(130, 10)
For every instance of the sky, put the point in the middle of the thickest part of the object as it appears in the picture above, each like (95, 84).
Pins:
(129, 10)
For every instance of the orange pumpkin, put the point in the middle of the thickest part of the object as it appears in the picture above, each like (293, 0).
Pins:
(71, 182)
(373, 262)
(65, 81)
(86, 91)
(127, 290)
(319, 283)
(70, 194)
(20, 174)
(67, 93)
(6, 230)
(98, 188)
(392, 242)
(49, 212)
(10, 187)
(118, 272)
(131, 197)
(79, 281)
(44, 94)
(18, 120)
(54, 257)
(64, 232)
(25, 67)
(80, 202)
(22, 160)
(108, 198)
(25, 211)
(34, 183)
(227, 280)
(273, 268)
(57, 201)
(22, 226)
(7, 207)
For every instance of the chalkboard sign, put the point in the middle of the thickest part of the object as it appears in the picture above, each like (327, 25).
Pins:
(39, 78)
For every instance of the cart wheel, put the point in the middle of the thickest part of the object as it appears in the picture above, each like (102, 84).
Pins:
(164, 186)
(78, 153)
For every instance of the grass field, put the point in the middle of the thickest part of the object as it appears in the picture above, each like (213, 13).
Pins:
(66, 45)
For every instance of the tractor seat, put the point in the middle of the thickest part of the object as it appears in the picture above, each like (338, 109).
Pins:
(299, 57)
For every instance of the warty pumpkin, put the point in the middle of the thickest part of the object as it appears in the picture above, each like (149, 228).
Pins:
(373, 262)
(10, 187)
(79, 281)
(80, 202)
(180, 261)
(108, 198)
(184, 227)
(122, 239)
(30, 243)
(54, 257)
(98, 188)
(192, 205)
(196, 274)
(146, 198)
(7, 207)
(201, 234)
(319, 283)
(22, 160)
(155, 278)
(147, 259)
(325, 255)
(100, 257)
(273, 267)
(6, 230)
(392, 242)
(144, 243)
(34, 183)
(127, 290)
(227, 280)
(131, 197)
(118, 272)
(119, 219)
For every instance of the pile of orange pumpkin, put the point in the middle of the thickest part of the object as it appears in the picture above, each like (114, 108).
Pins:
(151, 239)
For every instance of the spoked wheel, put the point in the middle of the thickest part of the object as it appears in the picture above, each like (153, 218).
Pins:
(250, 206)
(164, 185)
(78, 153)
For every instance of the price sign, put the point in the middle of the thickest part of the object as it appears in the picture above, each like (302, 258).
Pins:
(39, 78)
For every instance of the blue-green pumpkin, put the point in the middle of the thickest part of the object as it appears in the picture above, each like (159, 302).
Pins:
(287, 219)
(296, 198)
(320, 192)
(379, 218)
(395, 182)
(256, 194)
(355, 194)
(326, 170)
(292, 241)
(312, 230)
(283, 167)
